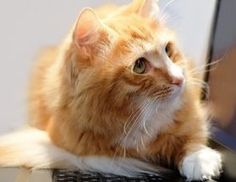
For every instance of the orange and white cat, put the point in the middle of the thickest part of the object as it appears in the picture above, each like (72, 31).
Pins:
(116, 96)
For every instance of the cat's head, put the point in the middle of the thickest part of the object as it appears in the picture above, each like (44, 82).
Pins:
(124, 62)
(132, 49)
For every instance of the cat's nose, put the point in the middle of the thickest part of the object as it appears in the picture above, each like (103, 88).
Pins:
(178, 81)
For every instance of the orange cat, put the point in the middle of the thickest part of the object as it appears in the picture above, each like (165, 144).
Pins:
(116, 96)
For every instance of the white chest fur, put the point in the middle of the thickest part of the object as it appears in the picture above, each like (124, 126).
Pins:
(153, 118)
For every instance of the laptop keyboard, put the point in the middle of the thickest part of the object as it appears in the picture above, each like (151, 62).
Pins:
(77, 176)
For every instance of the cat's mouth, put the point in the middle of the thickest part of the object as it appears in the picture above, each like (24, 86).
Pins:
(167, 92)
(163, 92)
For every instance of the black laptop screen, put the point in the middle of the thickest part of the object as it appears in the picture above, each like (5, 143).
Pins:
(222, 78)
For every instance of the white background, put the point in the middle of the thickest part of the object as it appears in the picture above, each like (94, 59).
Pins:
(28, 25)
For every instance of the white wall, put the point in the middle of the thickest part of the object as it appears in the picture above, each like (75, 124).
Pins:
(28, 25)
(192, 20)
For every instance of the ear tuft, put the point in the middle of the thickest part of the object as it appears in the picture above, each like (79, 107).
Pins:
(149, 8)
(146, 8)
(87, 27)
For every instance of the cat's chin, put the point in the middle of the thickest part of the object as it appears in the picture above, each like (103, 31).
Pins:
(173, 101)
(175, 94)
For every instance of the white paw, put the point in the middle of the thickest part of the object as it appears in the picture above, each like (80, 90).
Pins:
(202, 164)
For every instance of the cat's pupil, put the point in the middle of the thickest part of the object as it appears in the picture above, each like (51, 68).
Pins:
(140, 66)
(168, 49)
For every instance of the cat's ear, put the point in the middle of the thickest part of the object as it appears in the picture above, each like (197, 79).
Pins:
(87, 28)
(146, 8)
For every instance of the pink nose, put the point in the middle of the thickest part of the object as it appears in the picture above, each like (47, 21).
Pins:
(177, 81)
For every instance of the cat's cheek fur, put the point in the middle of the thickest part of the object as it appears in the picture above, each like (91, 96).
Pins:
(202, 164)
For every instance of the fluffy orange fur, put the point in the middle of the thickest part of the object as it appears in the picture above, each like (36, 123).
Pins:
(84, 94)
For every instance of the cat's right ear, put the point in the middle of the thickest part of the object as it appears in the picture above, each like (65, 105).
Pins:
(145, 8)
(87, 28)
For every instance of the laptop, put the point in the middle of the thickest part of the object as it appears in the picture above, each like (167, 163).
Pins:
(222, 86)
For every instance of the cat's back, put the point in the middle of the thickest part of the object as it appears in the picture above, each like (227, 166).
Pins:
(37, 106)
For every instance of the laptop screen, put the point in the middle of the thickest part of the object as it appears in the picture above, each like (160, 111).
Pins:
(222, 77)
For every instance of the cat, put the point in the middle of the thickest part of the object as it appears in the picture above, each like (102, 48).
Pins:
(117, 96)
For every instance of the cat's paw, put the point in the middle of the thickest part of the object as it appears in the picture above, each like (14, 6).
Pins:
(202, 164)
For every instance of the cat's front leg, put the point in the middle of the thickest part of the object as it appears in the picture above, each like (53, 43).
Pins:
(201, 164)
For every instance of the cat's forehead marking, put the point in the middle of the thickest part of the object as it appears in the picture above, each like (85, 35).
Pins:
(158, 40)
(138, 40)
(156, 47)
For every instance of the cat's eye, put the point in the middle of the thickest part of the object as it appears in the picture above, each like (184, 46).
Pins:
(140, 66)
(172, 52)
(168, 49)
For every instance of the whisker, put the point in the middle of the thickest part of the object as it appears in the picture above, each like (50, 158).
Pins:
(136, 125)
(203, 68)
(201, 84)
(157, 104)
(144, 123)
(136, 115)
(167, 5)
(163, 93)
(165, 17)
(133, 124)
(127, 123)
(142, 142)
(145, 129)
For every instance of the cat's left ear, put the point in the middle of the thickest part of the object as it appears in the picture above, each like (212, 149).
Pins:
(87, 28)
(147, 8)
